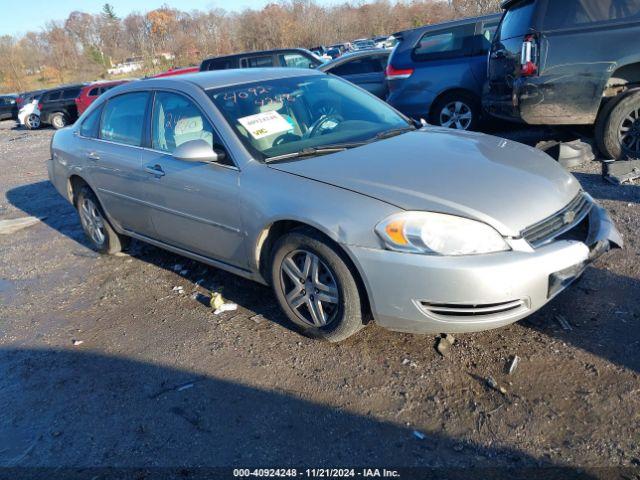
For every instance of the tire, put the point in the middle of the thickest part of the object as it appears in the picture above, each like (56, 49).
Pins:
(619, 114)
(32, 122)
(58, 120)
(96, 227)
(341, 308)
(464, 106)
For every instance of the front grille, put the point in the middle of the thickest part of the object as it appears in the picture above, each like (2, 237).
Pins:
(563, 221)
(475, 310)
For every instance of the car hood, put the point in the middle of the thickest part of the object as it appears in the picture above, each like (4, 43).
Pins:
(508, 185)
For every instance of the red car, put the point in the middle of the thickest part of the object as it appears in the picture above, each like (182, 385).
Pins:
(177, 71)
(89, 93)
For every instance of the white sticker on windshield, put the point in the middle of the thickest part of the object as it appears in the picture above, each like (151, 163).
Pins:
(264, 124)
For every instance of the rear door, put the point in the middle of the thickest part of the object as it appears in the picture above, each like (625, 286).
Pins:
(366, 72)
(505, 53)
(194, 205)
(114, 160)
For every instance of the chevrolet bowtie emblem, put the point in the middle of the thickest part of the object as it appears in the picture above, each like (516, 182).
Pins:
(569, 217)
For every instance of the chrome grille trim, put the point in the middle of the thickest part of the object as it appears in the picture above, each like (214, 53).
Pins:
(545, 231)
(479, 310)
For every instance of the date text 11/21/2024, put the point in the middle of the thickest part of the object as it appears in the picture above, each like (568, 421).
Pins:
(316, 473)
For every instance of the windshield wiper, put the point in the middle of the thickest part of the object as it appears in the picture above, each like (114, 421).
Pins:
(306, 152)
(313, 151)
(393, 132)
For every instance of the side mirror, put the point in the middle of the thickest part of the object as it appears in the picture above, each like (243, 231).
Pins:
(198, 151)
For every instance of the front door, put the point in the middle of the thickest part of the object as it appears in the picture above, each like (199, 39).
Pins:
(194, 205)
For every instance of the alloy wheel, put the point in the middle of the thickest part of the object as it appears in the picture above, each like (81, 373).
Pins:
(34, 121)
(92, 221)
(310, 288)
(457, 115)
(629, 133)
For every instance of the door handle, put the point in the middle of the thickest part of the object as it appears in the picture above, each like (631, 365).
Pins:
(93, 156)
(155, 170)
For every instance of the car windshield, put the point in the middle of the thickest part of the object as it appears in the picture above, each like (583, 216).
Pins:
(288, 115)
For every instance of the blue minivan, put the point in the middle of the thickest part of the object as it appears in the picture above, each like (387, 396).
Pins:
(436, 72)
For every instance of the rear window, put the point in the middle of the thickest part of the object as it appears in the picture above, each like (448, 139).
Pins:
(257, 62)
(518, 20)
(218, 64)
(573, 13)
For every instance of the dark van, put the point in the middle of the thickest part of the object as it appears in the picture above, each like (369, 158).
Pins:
(437, 72)
(570, 62)
(289, 57)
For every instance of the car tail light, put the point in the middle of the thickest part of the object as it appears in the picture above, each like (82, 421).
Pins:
(397, 73)
(529, 56)
(39, 105)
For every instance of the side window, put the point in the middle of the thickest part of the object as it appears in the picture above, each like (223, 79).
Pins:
(572, 13)
(70, 94)
(176, 120)
(89, 127)
(94, 92)
(360, 65)
(257, 62)
(444, 44)
(487, 32)
(296, 60)
(123, 118)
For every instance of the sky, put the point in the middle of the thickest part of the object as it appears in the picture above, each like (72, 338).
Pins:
(18, 17)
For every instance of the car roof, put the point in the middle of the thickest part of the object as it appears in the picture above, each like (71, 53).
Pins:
(232, 76)
(452, 23)
(351, 55)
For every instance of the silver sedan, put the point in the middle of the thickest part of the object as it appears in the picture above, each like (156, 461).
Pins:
(349, 210)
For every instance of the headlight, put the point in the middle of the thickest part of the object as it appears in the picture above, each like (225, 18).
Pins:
(439, 234)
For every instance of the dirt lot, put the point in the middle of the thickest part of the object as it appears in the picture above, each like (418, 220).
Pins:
(160, 381)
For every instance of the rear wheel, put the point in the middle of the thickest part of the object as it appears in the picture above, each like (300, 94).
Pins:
(59, 120)
(315, 287)
(618, 128)
(95, 224)
(32, 122)
(457, 110)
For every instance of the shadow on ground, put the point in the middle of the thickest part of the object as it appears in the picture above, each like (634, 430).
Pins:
(82, 409)
(602, 307)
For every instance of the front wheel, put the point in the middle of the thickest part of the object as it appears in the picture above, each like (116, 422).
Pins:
(618, 128)
(315, 287)
(456, 110)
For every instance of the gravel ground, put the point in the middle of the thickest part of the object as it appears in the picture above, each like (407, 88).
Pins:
(158, 380)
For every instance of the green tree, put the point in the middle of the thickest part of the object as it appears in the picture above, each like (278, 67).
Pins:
(108, 12)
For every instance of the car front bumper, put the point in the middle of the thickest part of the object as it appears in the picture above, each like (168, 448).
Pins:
(434, 294)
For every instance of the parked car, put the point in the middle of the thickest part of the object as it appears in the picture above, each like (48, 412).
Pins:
(27, 97)
(58, 106)
(362, 44)
(437, 72)
(380, 40)
(8, 107)
(289, 57)
(348, 215)
(89, 93)
(177, 71)
(29, 114)
(342, 47)
(333, 53)
(570, 62)
(365, 68)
